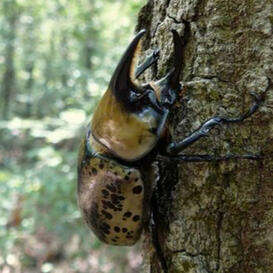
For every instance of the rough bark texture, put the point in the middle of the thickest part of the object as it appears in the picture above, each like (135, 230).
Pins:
(219, 216)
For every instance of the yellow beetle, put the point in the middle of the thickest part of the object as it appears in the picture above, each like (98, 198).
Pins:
(126, 126)
(114, 182)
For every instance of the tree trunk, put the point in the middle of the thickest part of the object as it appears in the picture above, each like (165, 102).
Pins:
(218, 217)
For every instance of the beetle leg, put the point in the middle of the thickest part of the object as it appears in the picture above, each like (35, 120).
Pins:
(155, 239)
(150, 60)
(173, 148)
(206, 158)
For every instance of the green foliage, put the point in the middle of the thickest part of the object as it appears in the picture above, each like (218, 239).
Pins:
(56, 58)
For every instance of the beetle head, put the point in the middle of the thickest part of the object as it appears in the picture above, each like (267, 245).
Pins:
(125, 89)
(130, 118)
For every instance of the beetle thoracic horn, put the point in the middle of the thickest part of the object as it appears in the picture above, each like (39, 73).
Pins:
(178, 49)
(121, 82)
(170, 85)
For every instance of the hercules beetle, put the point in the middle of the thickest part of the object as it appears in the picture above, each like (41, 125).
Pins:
(126, 134)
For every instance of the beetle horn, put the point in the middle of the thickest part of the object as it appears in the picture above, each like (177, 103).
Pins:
(178, 49)
(169, 85)
(121, 81)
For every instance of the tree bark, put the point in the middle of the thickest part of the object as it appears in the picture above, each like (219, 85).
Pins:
(217, 217)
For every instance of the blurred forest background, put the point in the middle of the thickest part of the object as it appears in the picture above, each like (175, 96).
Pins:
(56, 58)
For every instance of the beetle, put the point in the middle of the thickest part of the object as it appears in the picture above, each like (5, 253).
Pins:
(126, 134)
(126, 126)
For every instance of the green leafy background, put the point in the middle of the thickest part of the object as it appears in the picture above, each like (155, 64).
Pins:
(56, 58)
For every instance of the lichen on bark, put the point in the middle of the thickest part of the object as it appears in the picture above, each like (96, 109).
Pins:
(221, 214)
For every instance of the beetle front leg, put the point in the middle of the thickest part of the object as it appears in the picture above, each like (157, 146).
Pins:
(150, 60)
(175, 147)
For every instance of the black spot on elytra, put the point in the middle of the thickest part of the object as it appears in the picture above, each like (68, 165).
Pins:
(106, 214)
(127, 214)
(124, 230)
(136, 218)
(118, 181)
(105, 225)
(111, 188)
(105, 193)
(94, 171)
(129, 172)
(136, 179)
(116, 199)
(101, 165)
(137, 189)
(126, 177)
(105, 228)
(108, 204)
(117, 229)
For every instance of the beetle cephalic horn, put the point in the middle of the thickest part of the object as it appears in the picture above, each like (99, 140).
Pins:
(121, 82)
